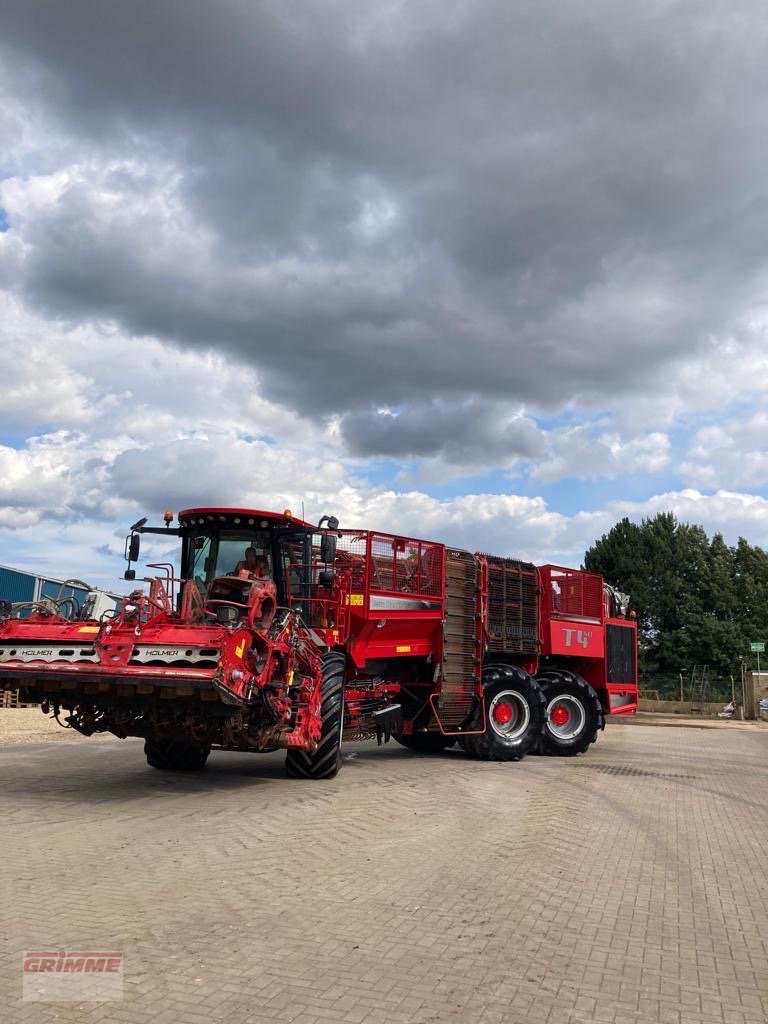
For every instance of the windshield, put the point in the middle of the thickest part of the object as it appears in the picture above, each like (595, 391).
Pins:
(227, 553)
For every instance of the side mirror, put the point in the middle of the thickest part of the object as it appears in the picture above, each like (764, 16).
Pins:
(327, 548)
(6, 609)
(132, 547)
(129, 574)
(326, 578)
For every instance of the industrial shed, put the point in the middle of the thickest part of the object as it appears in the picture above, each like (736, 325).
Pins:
(16, 585)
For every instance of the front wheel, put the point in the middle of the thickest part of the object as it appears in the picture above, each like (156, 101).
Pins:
(514, 716)
(175, 757)
(574, 714)
(325, 762)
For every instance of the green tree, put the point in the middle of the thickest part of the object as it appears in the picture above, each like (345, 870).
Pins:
(697, 601)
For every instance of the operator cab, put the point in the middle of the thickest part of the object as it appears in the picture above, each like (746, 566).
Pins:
(223, 543)
(226, 542)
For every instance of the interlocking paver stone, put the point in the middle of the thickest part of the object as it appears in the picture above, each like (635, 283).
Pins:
(624, 886)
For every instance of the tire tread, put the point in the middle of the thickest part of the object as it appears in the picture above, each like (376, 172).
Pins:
(325, 761)
(561, 680)
(486, 746)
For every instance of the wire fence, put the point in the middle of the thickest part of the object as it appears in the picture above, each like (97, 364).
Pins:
(682, 687)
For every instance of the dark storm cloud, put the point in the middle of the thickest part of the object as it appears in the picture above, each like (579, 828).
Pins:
(459, 434)
(375, 204)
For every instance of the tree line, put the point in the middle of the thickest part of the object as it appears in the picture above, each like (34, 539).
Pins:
(698, 601)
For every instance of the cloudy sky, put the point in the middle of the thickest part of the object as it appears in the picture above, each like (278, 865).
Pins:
(487, 272)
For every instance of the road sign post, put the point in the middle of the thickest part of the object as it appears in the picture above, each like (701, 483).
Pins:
(758, 647)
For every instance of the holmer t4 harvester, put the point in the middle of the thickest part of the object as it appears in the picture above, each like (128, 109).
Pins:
(279, 634)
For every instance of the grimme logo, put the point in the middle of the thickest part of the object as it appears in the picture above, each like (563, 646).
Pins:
(71, 974)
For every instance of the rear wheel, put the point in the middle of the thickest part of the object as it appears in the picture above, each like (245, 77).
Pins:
(574, 714)
(514, 715)
(325, 762)
(175, 757)
(426, 742)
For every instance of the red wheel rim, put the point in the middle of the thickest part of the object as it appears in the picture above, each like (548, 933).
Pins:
(560, 715)
(502, 713)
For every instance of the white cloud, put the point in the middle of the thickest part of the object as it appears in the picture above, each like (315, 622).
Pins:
(581, 453)
(732, 513)
(735, 450)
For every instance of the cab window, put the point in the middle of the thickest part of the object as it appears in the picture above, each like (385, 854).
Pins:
(228, 553)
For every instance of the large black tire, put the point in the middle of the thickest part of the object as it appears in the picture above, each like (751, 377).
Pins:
(325, 762)
(426, 742)
(574, 714)
(175, 757)
(512, 692)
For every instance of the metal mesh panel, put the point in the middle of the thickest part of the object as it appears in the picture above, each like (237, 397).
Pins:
(575, 594)
(350, 557)
(399, 564)
(512, 606)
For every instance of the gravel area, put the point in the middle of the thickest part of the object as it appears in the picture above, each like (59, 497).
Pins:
(30, 725)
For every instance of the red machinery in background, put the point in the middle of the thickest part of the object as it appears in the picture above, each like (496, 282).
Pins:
(277, 633)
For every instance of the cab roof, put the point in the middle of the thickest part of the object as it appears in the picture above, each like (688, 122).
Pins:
(248, 515)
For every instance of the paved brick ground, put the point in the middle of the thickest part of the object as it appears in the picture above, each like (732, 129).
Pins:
(627, 886)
